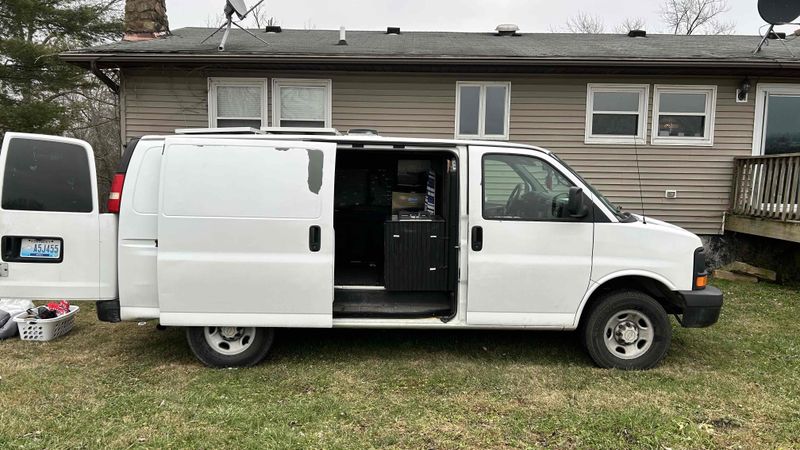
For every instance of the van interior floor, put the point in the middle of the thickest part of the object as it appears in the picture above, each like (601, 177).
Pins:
(352, 303)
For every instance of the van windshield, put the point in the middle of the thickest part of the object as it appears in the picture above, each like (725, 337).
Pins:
(621, 215)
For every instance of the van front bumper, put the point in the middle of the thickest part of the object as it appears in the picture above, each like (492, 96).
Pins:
(701, 308)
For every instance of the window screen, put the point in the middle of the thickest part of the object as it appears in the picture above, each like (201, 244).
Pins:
(302, 106)
(47, 176)
(301, 103)
(238, 104)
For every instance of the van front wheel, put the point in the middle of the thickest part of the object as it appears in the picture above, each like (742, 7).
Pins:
(627, 330)
(230, 346)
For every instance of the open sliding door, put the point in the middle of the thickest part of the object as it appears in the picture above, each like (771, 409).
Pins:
(246, 233)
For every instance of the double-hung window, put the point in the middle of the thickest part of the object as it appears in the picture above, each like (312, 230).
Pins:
(616, 113)
(237, 102)
(301, 103)
(684, 115)
(482, 110)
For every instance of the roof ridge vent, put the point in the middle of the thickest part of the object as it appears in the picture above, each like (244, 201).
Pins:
(637, 33)
(393, 30)
(507, 29)
(273, 29)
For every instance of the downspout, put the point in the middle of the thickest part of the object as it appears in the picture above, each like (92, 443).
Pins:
(104, 78)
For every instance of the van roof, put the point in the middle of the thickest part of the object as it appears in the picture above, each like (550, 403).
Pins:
(357, 140)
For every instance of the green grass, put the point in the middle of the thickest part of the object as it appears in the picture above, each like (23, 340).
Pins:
(734, 385)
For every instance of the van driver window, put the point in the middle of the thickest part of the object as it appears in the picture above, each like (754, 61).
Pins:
(518, 187)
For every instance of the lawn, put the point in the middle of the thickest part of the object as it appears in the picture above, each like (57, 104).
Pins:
(736, 385)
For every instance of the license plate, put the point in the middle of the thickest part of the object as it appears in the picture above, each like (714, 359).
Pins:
(40, 248)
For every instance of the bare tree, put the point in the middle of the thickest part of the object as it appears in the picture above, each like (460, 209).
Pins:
(96, 121)
(696, 16)
(629, 24)
(260, 18)
(585, 23)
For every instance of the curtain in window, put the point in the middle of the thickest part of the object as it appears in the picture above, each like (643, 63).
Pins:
(239, 101)
(302, 103)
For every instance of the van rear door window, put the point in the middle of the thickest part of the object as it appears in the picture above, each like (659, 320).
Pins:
(47, 176)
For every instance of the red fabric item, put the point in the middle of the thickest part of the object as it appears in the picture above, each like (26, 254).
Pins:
(60, 308)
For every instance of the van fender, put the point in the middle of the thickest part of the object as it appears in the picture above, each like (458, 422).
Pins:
(614, 275)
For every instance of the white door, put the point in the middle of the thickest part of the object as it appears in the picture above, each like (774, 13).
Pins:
(49, 219)
(529, 262)
(245, 233)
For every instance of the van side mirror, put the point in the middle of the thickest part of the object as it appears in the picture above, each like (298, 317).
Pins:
(576, 208)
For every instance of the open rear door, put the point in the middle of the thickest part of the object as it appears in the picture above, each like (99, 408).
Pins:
(245, 233)
(50, 222)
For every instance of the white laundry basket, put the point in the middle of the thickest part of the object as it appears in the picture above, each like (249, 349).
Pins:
(46, 329)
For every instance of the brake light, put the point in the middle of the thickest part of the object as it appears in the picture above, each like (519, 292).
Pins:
(115, 196)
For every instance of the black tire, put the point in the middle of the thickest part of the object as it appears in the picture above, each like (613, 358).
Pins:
(208, 355)
(641, 308)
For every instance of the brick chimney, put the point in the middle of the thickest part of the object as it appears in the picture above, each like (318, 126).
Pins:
(145, 20)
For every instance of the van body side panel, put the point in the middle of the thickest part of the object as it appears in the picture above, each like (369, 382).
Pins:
(138, 233)
(108, 257)
(656, 250)
(238, 222)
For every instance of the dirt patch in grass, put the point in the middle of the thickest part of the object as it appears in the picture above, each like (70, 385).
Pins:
(735, 385)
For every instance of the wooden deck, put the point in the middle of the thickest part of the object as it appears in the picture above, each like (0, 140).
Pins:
(766, 192)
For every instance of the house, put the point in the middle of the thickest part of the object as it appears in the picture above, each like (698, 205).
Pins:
(665, 113)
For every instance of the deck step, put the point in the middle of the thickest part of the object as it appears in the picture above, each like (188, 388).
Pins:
(747, 269)
(732, 276)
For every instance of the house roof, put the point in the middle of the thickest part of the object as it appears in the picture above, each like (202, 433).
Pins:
(454, 48)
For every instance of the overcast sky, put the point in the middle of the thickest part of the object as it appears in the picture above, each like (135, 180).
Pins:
(449, 15)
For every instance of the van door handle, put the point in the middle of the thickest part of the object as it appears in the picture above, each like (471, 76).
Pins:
(315, 238)
(477, 238)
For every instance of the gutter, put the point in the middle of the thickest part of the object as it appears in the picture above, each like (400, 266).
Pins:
(92, 59)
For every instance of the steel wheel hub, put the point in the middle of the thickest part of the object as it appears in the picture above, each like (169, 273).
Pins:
(628, 334)
(229, 340)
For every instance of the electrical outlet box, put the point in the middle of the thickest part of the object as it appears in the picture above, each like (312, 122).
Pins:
(670, 193)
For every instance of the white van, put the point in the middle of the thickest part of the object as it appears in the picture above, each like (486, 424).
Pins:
(232, 236)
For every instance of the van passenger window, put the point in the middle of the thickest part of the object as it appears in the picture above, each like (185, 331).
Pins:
(47, 176)
(518, 187)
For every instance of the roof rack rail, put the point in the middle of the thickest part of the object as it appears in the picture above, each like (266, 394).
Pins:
(231, 130)
(301, 130)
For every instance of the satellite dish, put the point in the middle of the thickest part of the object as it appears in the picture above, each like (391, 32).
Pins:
(231, 7)
(779, 12)
(239, 7)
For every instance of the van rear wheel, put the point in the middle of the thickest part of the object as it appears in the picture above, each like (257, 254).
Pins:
(230, 346)
(627, 330)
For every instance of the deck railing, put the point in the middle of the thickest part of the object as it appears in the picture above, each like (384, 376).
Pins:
(767, 186)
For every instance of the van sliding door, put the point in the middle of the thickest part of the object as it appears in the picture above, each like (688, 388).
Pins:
(245, 233)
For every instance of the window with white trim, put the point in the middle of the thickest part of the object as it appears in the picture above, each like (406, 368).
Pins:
(482, 110)
(301, 103)
(616, 113)
(237, 102)
(683, 115)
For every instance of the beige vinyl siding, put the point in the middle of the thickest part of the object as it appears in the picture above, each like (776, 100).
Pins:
(548, 111)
